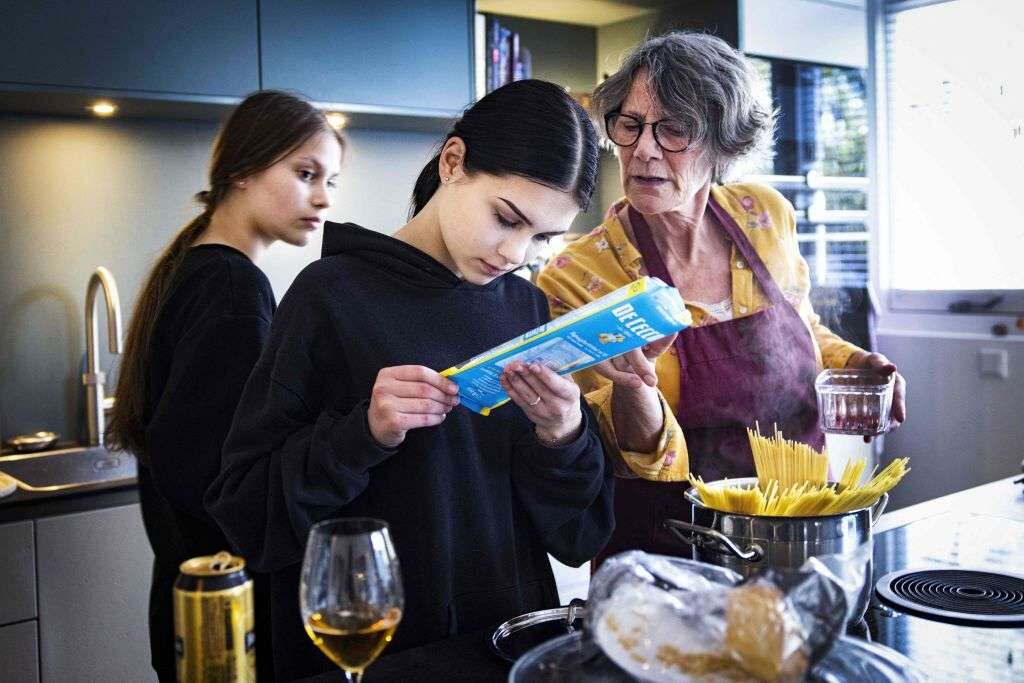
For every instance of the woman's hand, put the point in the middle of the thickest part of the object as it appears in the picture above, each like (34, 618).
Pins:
(884, 366)
(550, 401)
(635, 369)
(408, 397)
(636, 407)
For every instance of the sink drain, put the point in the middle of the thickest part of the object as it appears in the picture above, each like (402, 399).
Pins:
(111, 463)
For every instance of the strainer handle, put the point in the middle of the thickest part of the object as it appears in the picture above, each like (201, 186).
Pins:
(698, 535)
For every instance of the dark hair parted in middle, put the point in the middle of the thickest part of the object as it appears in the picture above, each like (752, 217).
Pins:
(529, 128)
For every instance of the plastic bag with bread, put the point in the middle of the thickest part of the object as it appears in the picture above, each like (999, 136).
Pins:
(672, 620)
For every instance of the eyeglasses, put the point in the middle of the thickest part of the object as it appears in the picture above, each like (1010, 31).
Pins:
(624, 130)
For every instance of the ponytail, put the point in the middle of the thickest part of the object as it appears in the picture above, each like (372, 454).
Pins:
(126, 430)
(427, 183)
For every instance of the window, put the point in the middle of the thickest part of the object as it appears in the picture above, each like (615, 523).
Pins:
(955, 95)
(819, 161)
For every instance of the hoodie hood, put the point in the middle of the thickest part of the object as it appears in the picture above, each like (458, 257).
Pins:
(390, 255)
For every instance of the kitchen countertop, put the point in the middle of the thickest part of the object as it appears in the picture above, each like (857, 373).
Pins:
(1002, 498)
(468, 657)
(93, 497)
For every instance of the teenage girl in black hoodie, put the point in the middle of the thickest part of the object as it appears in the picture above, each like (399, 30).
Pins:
(345, 413)
(200, 323)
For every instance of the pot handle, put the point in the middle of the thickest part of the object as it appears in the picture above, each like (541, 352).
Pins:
(577, 610)
(699, 535)
(878, 508)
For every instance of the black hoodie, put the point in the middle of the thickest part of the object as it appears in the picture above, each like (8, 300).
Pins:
(474, 504)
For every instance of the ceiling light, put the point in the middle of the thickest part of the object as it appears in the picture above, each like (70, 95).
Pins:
(336, 119)
(103, 109)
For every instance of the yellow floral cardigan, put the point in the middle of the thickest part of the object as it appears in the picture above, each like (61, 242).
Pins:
(605, 260)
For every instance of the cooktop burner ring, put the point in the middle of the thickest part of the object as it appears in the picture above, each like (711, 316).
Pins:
(967, 597)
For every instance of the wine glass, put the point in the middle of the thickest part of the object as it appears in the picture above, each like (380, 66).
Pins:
(351, 591)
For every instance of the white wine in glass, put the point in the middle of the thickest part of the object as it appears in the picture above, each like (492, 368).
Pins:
(351, 591)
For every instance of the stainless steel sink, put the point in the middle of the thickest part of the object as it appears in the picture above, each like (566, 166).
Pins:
(69, 468)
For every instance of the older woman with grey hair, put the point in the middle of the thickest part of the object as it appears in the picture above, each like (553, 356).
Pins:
(682, 109)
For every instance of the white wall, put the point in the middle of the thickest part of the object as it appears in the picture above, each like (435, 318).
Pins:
(823, 31)
(963, 428)
(615, 40)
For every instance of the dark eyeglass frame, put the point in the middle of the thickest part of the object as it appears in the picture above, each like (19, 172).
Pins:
(642, 124)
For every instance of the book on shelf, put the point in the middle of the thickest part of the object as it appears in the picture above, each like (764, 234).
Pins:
(502, 59)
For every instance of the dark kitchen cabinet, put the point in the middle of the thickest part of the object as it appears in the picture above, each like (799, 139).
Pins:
(94, 574)
(17, 573)
(188, 47)
(388, 53)
(19, 654)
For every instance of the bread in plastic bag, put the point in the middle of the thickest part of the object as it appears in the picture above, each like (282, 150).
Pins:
(673, 620)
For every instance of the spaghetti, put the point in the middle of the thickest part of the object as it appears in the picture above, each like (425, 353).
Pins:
(792, 481)
(787, 462)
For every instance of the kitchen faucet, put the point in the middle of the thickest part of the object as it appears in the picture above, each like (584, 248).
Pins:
(94, 379)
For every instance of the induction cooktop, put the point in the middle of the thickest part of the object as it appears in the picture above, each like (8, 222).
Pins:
(928, 606)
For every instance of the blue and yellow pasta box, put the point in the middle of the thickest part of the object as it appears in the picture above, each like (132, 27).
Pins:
(628, 318)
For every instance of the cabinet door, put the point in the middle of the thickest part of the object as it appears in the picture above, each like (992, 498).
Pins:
(392, 53)
(17, 573)
(187, 46)
(19, 658)
(94, 574)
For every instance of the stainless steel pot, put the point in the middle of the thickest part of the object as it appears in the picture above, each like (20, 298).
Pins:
(748, 544)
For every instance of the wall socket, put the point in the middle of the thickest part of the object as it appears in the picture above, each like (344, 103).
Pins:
(994, 363)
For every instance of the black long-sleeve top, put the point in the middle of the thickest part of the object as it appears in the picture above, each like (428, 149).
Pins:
(207, 337)
(474, 504)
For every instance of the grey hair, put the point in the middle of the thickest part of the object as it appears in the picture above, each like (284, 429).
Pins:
(701, 81)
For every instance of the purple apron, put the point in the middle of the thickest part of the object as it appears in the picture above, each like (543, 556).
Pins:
(760, 367)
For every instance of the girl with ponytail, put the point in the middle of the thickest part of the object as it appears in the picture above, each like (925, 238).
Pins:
(345, 413)
(199, 325)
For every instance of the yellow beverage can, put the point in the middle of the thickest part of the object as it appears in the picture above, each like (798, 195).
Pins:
(214, 621)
